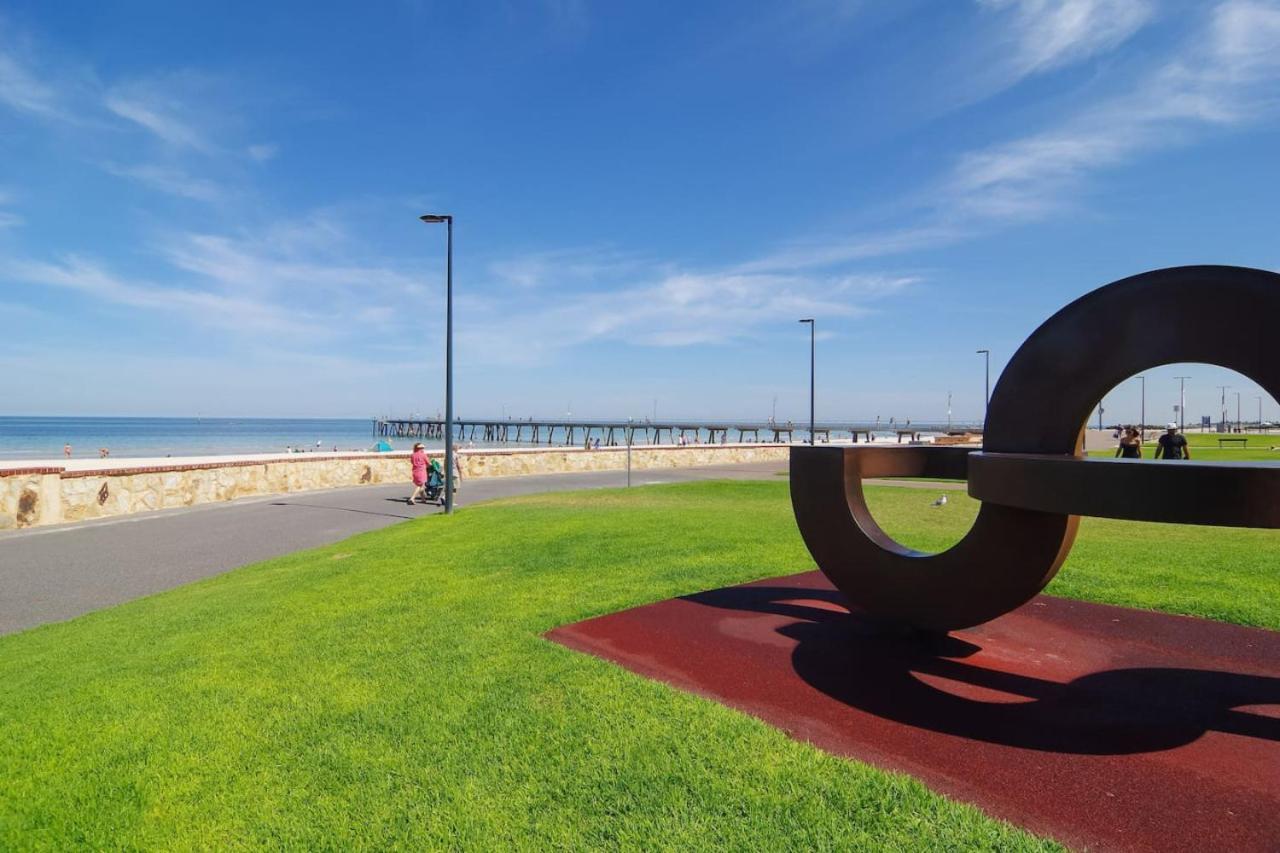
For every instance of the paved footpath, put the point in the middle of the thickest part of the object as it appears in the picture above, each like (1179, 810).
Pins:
(48, 574)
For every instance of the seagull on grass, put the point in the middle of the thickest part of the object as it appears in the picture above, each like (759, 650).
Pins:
(941, 501)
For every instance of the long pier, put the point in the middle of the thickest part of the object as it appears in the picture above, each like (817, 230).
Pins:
(617, 433)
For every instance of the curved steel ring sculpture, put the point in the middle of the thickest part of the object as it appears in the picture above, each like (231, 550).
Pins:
(1032, 481)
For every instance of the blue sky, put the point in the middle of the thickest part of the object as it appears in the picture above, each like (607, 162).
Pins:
(211, 207)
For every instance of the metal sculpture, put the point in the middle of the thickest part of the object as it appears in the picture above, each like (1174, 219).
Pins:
(1030, 475)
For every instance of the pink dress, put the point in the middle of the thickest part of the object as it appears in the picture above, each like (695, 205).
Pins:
(419, 461)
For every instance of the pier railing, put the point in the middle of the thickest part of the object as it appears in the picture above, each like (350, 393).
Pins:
(615, 433)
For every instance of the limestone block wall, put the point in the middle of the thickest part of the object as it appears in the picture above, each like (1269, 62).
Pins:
(30, 497)
(40, 496)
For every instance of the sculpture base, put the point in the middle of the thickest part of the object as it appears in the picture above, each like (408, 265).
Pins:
(1098, 726)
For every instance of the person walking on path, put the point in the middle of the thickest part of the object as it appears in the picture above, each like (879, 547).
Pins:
(1130, 446)
(1172, 445)
(418, 461)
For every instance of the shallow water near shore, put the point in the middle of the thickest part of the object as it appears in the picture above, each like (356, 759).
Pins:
(44, 437)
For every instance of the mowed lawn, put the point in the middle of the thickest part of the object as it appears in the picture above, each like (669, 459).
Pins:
(1204, 447)
(395, 690)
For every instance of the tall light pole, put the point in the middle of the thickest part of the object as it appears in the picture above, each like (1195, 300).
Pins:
(1182, 402)
(1238, 428)
(986, 399)
(1142, 424)
(1223, 403)
(1259, 414)
(812, 351)
(447, 219)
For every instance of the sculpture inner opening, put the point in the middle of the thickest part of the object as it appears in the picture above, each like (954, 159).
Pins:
(923, 515)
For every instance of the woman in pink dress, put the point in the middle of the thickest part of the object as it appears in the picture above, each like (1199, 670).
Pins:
(419, 462)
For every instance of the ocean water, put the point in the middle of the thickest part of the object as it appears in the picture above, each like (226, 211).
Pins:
(43, 438)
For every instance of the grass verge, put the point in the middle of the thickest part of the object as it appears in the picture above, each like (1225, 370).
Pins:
(394, 689)
(1204, 448)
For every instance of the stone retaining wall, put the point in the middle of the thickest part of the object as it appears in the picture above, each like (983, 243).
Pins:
(39, 496)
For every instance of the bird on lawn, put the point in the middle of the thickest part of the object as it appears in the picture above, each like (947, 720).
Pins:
(942, 501)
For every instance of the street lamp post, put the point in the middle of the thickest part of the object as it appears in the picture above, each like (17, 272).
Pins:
(812, 360)
(1259, 414)
(986, 399)
(1238, 427)
(1222, 405)
(447, 219)
(1142, 425)
(1182, 402)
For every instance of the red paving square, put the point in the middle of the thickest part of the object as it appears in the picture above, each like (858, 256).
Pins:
(1098, 726)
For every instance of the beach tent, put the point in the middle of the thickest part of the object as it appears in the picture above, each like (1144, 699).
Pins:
(382, 446)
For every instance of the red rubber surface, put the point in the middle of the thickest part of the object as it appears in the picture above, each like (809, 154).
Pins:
(1099, 726)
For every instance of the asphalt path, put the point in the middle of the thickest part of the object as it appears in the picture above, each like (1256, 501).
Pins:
(48, 574)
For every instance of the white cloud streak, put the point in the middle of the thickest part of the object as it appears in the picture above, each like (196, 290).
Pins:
(170, 180)
(22, 91)
(1047, 34)
(1230, 79)
(1226, 75)
(647, 305)
(262, 152)
(149, 106)
(204, 307)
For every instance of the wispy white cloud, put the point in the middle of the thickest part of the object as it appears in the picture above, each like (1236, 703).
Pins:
(307, 275)
(170, 180)
(203, 307)
(561, 267)
(1046, 34)
(21, 90)
(1229, 75)
(1226, 74)
(189, 113)
(8, 219)
(647, 305)
(262, 152)
(287, 262)
(19, 310)
(154, 106)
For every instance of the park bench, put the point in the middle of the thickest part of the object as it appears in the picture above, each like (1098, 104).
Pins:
(1244, 442)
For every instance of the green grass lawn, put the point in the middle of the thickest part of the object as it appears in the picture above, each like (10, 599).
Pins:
(1204, 447)
(394, 689)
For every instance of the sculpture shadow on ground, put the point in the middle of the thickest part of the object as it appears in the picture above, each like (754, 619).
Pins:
(918, 679)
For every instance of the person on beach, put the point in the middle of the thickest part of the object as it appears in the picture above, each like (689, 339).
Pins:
(1130, 446)
(418, 461)
(1172, 446)
(66, 450)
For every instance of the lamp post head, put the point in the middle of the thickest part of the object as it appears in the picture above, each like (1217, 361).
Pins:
(436, 217)
(981, 351)
(810, 320)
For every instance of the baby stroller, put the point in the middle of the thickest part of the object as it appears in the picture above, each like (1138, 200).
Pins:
(434, 485)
